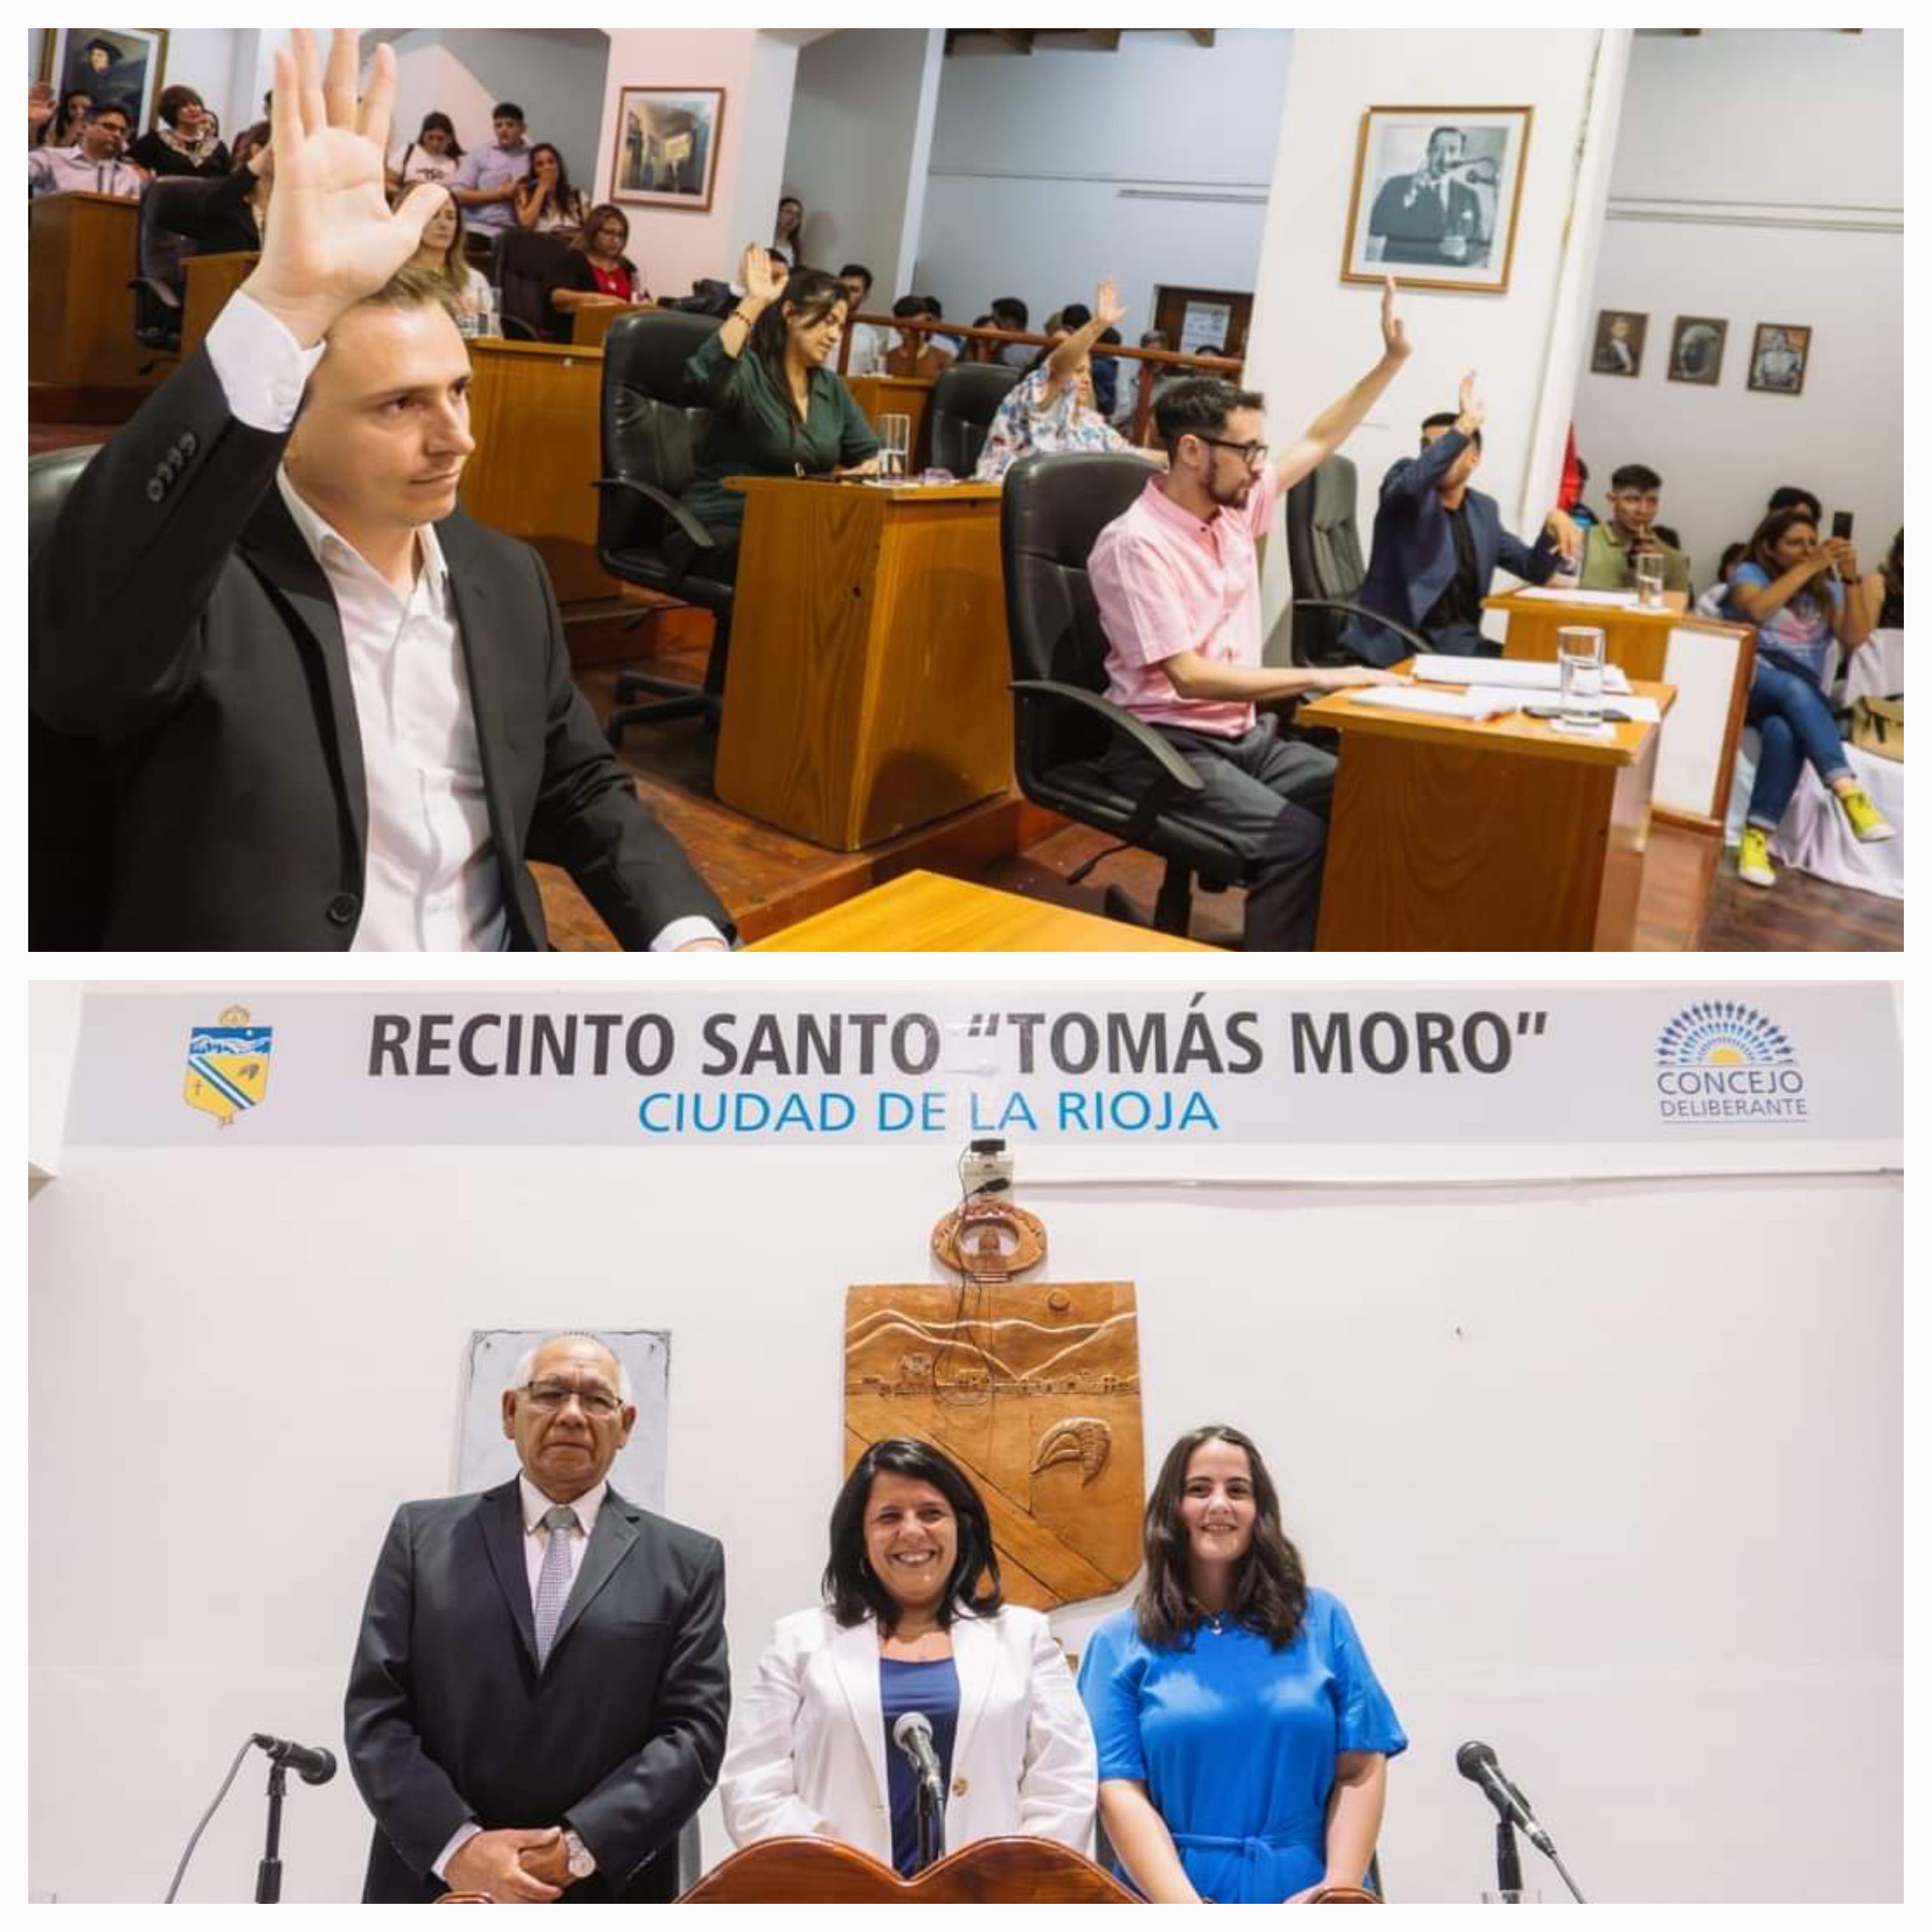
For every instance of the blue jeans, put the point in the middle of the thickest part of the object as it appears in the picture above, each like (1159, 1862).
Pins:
(1794, 723)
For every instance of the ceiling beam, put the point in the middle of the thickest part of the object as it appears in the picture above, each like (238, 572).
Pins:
(1021, 43)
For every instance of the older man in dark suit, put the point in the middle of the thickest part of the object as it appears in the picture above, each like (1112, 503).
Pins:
(538, 1699)
(333, 713)
(1437, 543)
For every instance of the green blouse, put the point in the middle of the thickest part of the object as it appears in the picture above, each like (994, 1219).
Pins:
(754, 429)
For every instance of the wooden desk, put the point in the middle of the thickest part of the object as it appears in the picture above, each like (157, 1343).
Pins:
(1508, 835)
(589, 326)
(922, 912)
(867, 692)
(911, 396)
(212, 280)
(1707, 663)
(533, 412)
(84, 364)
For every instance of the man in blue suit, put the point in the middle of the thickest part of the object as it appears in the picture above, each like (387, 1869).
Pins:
(1438, 542)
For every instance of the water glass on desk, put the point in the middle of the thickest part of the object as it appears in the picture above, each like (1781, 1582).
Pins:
(1580, 653)
(895, 447)
(1648, 567)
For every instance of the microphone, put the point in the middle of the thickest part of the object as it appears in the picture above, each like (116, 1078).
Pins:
(313, 1765)
(1477, 1763)
(912, 1734)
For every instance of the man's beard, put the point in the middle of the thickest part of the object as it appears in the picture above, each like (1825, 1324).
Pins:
(1232, 497)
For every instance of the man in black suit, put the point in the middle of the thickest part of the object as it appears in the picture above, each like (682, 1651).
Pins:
(334, 712)
(539, 1695)
(1432, 214)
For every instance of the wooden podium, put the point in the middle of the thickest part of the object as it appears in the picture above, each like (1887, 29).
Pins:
(989, 1871)
(84, 361)
(1707, 662)
(910, 396)
(1450, 835)
(867, 692)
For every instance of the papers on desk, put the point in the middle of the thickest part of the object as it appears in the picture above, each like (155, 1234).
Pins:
(1609, 600)
(1474, 704)
(1514, 674)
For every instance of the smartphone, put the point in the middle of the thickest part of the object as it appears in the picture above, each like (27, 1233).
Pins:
(1841, 524)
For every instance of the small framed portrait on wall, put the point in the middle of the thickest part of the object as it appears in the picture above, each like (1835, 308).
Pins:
(1780, 352)
(1619, 349)
(1697, 349)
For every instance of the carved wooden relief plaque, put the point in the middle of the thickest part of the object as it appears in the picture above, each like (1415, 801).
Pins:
(1034, 1390)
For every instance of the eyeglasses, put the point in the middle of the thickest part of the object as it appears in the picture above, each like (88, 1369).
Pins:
(550, 1397)
(1254, 455)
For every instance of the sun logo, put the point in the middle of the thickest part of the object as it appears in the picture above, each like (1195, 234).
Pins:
(1723, 1033)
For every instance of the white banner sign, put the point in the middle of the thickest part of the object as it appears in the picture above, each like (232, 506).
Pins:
(1750, 1067)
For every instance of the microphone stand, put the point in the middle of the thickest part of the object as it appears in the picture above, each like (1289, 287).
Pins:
(1509, 1862)
(931, 1835)
(268, 1873)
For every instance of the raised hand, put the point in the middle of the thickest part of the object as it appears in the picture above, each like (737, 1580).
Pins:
(334, 239)
(1395, 335)
(41, 107)
(1470, 407)
(761, 277)
(1109, 309)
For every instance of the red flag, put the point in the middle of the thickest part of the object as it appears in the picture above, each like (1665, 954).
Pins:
(1572, 474)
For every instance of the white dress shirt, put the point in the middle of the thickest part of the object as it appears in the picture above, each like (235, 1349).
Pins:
(432, 881)
(536, 1540)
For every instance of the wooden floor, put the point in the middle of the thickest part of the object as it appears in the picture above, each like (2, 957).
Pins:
(1692, 900)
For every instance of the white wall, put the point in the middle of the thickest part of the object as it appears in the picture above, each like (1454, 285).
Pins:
(1314, 335)
(1609, 1475)
(675, 248)
(1759, 177)
(861, 134)
(53, 1028)
(1052, 169)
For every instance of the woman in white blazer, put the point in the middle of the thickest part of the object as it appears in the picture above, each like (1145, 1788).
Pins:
(913, 1619)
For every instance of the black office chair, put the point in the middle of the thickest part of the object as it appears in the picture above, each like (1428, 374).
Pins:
(965, 399)
(163, 243)
(70, 788)
(528, 266)
(1052, 509)
(1324, 564)
(649, 434)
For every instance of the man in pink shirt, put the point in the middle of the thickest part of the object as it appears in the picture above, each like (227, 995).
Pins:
(1179, 592)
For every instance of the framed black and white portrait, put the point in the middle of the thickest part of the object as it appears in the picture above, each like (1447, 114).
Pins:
(1618, 348)
(127, 65)
(666, 152)
(1779, 351)
(1697, 349)
(1436, 196)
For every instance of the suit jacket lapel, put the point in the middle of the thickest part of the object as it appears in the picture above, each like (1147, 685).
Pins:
(611, 1541)
(500, 1515)
(975, 1661)
(855, 1656)
(483, 645)
(276, 548)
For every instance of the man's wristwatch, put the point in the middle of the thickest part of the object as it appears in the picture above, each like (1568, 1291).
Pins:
(577, 1856)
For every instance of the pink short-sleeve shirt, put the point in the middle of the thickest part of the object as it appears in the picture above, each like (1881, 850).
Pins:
(1166, 583)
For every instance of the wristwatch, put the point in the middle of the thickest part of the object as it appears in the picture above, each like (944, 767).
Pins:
(577, 1856)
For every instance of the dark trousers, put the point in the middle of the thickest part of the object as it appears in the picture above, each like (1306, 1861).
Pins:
(1463, 641)
(1270, 798)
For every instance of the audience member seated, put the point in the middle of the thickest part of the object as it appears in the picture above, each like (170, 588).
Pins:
(545, 199)
(1050, 409)
(488, 181)
(915, 355)
(1711, 603)
(787, 225)
(955, 346)
(1806, 598)
(271, 510)
(434, 155)
(595, 272)
(1611, 550)
(1009, 312)
(1107, 374)
(1438, 542)
(870, 342)
(1884, 589)
(778, 407)
(93, 165)
(978, 349)
(184, 140)
(439, 257)
(1127, 400)
(232, 215)
(63, 129)
(1789, 497)
(1179, 593)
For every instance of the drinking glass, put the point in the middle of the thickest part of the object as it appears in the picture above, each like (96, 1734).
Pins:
(1579, 651)
(1648, 568)
(895, 446)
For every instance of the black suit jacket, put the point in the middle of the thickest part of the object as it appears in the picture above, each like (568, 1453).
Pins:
(179, 619)
(448, 1718)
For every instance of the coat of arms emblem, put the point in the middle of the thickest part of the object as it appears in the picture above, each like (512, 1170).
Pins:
(228, 1065)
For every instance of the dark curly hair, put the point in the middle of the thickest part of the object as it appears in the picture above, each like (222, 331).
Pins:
(1269, 1596)
(854, 1592)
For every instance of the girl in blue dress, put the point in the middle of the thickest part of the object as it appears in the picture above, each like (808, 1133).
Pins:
(1243, 1739)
